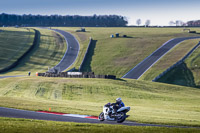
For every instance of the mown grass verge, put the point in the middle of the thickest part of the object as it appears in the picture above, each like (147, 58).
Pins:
(149, 102)
(116, 56)
(8, 125)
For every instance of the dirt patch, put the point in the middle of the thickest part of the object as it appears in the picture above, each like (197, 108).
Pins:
(82, 36)
(122, 61)
(58, 39)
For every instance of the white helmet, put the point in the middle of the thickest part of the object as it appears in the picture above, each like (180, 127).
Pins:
(118, 100)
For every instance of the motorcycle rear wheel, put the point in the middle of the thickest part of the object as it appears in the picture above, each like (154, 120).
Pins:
(101, 116)
(122, 118)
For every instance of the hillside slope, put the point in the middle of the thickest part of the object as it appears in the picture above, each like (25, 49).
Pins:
(187, 73)
(169, 59)
(14, 42)
(48, 52)
(149, 102)
(116, 56)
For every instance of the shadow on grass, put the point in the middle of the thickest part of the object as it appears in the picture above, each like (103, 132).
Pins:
(119, 79)
(86, 67)
(124, 37)
(26, 57)
(180, 75)
(197, 33)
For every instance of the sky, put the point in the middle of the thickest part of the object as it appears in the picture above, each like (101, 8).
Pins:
(159, 12)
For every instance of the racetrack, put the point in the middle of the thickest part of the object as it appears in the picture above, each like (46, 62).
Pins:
(147, 63)
(16, 113)
(71, 52)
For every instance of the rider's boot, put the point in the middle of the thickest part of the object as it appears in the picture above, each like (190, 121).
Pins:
(114, 111)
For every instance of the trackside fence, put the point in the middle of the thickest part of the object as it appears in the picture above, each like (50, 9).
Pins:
(76, 75)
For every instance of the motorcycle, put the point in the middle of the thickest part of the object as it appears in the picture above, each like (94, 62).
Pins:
(108, 113)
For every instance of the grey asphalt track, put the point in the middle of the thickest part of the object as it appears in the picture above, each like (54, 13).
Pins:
(16, 113)
(71, 52)
(147, 63)
(1, 77)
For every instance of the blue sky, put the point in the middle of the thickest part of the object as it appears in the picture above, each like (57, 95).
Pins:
(160, 12)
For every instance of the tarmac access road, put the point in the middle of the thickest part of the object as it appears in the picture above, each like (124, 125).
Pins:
(147, 63)
(16, 113)
(72, 50)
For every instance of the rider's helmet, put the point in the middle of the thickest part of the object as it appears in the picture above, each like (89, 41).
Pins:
(118, 100)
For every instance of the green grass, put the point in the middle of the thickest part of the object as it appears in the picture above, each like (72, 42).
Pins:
(149, 102)
(117, 56)
(8, 125)
(14, 42)
(169, 59)
(48, 53)
(186, 74)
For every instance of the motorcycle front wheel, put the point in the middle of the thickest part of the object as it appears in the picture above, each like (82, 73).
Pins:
(101, 116)
(121, 118)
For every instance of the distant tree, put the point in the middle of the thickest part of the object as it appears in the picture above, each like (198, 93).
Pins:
(147, 23)
(171, 23)
(138, 22)
(179, 23)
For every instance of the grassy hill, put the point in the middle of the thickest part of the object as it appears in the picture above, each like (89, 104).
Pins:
(187, 73)
(14, 42)
(48, 52)
(117, 56)
(149, 102)
(169, 59)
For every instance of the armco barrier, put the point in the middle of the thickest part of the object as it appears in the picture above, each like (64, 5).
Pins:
(24, 55)
(177, 63)
(85, 54)
(76, 75)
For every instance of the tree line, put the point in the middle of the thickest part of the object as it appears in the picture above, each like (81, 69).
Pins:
(59, 20)
(194, 23)
(147, 22)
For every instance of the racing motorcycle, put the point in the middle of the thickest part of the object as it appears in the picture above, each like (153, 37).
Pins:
(108, 113)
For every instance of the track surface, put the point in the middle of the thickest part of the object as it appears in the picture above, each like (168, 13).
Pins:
(16, 113)
(71, 52)
(147, 63)
(1, 77)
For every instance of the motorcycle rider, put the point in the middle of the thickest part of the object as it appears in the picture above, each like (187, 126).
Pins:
(117, 105)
